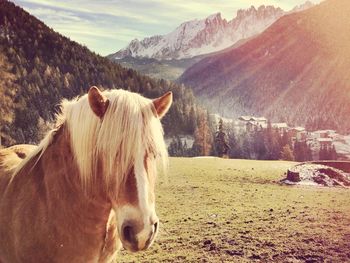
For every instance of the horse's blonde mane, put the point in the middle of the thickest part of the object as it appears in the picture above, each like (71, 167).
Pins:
(128, 129)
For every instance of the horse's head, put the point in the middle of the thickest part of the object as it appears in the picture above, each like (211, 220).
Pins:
(128, 142)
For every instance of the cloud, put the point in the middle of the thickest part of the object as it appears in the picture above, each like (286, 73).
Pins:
(115, 8)
(101, 32)
(54, 15)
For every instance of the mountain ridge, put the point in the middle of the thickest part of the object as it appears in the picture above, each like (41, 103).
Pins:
(204, 36)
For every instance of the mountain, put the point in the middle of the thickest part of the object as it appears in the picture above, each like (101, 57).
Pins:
(39, 67)
(198, 37)
(170, 69)
(298, 70)
(168, 56)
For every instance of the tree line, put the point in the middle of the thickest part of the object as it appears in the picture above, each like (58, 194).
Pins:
(259, 144)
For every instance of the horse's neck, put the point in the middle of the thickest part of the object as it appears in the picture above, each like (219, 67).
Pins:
(46, 203)
(61, 176)
(72, 215)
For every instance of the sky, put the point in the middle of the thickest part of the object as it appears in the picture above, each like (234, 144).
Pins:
(106, 26)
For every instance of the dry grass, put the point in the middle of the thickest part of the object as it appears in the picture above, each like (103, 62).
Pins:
(215, 210)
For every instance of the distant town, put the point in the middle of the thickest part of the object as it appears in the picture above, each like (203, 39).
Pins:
(251, 137)
(316, 140)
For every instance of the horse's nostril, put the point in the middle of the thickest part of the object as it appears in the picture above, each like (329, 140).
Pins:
(128, 233)
(155, 227)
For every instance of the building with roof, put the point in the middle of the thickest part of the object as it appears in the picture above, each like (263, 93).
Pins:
(281, 127)
(252, 123)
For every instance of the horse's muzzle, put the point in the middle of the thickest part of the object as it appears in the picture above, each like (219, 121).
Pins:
(136, 239)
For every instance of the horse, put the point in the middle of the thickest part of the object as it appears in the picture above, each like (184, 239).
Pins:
(88, 188)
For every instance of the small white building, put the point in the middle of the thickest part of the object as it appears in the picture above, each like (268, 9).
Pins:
(252, 123)
(323, 133)
(216, 118)
(326, 143)
(280, 126)
(298, 134)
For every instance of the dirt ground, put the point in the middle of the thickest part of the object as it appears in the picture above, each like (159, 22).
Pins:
(216, 210)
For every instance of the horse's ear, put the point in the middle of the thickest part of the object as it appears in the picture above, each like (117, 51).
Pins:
(162, 104)
(98, 102)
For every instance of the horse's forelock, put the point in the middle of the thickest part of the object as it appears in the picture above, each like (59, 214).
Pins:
(127, 130)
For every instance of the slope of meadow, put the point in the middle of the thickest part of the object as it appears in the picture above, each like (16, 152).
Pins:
(216, 210)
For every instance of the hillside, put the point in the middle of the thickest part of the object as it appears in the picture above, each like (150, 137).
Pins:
(38, 67)
(298, 71)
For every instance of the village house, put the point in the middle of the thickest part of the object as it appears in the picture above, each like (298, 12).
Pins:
(293, 132)
(252, 123)
(321, 139)
(325, 143)
(215, 117)
(323, 133)
(281, 127)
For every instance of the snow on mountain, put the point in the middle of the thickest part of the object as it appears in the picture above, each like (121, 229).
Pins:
(253, 21)
(199, 37)
(302, 7)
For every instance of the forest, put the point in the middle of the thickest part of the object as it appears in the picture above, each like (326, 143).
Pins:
(263, 144)
(39, 67)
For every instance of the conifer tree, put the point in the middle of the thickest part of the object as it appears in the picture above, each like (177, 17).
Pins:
(333, 153)
(287, 153)
(202, 136)
(221, 143)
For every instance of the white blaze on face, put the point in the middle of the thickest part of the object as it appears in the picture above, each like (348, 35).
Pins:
(146, 205)
(141, 215)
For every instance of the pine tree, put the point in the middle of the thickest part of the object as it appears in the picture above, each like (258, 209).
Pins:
(273, 147)
(234, 143)
(333, 154)
(323, 153)
(309, 156)
(202, 137)
(259, 147)
(176, 147)
(221, 143)
(185, 149)
(246, 147)
(285, 139)
(287, 153)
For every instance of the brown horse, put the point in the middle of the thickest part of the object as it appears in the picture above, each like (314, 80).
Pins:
(88, 188)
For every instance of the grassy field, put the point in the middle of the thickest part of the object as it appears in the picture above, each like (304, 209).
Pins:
(216, 210)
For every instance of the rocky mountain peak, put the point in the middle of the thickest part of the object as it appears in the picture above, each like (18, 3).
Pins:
(204, 36)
